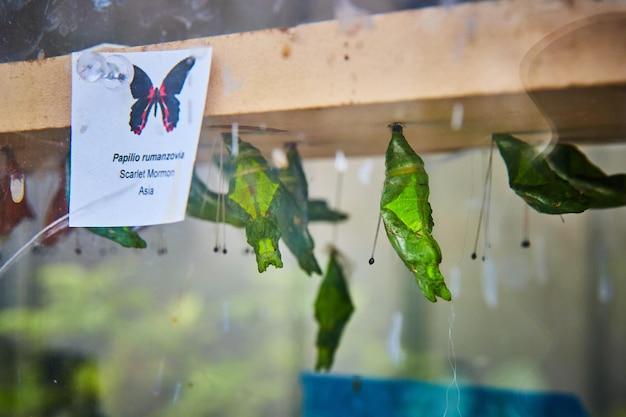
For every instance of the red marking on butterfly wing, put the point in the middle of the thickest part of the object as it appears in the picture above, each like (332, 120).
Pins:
(172, 85)
(170, 110)
(139, 113)
(142, 89)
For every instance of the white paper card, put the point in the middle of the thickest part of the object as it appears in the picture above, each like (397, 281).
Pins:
(122, 178)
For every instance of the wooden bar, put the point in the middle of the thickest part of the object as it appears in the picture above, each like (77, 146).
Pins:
(330, 90)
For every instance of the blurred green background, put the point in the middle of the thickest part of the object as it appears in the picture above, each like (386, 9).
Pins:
(119, 332)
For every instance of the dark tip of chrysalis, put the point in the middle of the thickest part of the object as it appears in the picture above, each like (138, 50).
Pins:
(78, 251)
(525, 243)
(473, 255)
(371, 261)
(483, 258)
(162, 251)
(224, 251)
(396, 127)
(216, 249)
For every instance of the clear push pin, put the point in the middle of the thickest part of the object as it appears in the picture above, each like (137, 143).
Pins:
(114, 71)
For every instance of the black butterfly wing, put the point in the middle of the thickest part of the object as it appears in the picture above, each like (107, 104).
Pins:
(142, 89)
(172, 85)
(175, 79)
(170, 109)
(141, 86)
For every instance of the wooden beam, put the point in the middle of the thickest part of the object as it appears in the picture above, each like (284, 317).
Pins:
(329, 90)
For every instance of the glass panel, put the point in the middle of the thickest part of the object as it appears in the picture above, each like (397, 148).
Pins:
(89, 328)
(114, 331)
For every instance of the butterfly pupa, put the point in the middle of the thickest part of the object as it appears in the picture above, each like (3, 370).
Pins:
(407, 215)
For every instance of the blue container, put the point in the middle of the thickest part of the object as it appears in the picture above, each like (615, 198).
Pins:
(346, 396)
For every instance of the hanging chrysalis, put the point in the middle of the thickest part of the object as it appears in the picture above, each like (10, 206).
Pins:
(292, 213)
(268, 210)
(275, 199)
(293, 177)
(333, 308)
(533, 180)
(407, 215)
(252, 190)
(562, 181)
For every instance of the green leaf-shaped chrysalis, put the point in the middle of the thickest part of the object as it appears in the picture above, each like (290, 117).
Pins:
(254, 193)
(292, 211)
(407, 215)
(268, 210)
(284, 212)
(532, 178)
(293, 178)
(333, 308)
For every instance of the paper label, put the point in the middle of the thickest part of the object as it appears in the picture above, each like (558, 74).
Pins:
(133, 148)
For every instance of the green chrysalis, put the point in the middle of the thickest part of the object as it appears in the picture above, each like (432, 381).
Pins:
(531, 178)
(269, 211)
(292, 213)
(333, 308)
(294, 179)
(407, 215)
(562, 181)
(284, 213)
(253, 192)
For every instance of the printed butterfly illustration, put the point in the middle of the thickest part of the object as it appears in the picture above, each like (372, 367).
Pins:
(148, 96)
